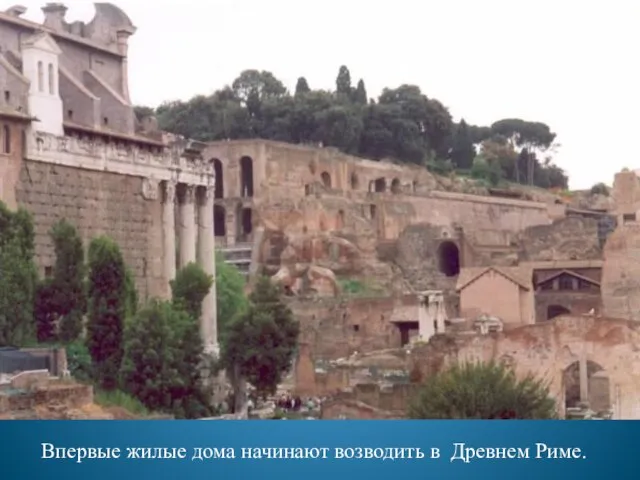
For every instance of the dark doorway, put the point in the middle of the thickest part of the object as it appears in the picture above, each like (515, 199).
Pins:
(407, 331)
(449, 258)
(246, 177)
(395, 186)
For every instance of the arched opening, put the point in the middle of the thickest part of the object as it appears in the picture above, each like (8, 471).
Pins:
(6, 139)
(355, 183)
(326, 179)
(449, 258)
(586, 388)
(246, 177)
(217, 169)
(340, 220)
(379, 185)
(52, 87)
(245, 224)
(219, 221)
(554, 311)
(395, 186)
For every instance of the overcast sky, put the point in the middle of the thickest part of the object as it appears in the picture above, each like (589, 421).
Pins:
(573, 65)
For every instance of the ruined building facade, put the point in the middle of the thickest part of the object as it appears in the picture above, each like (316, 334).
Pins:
(72, 148)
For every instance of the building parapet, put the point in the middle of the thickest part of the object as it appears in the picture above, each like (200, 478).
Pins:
(122, 158)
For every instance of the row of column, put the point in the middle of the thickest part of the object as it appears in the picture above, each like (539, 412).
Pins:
(197, 244)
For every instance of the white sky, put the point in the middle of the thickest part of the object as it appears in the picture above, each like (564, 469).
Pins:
(570, 64)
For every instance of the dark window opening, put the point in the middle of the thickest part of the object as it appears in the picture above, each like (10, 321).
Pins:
(379, 185)
(7, 96)
(70, 114)
(356, 328)
(6, 139)
(395, 186)
(565, 282)
(246, 177)
(354, 181)
(326, 179)
(105, 121)
(629, 217)
(219, 190)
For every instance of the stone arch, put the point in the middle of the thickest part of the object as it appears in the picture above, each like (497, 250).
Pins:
(244, 222)
(449, 258)
(217, 169)
(554, 311)
(586, 386)
(326, 179)
(355, 182)
(219, 221)
(395, 185)
(246, 176)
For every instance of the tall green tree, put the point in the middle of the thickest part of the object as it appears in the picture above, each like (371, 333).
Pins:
(68, 280)
(302, 86)
(343, 82)
(360, 93)
(107, 310)
(18, 276)
(482, 391)
(462, 149)
(261, 344)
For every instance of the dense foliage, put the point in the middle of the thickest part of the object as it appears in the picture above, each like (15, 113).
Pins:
(402, 124)
(482, 391)
(261, 343)
(231, 298)
(64, 295)
(18, 277)
(163, 362)
(107, 310)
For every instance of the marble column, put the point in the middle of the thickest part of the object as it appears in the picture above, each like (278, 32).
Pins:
(169, 230)
(207, 260)
(188, 226)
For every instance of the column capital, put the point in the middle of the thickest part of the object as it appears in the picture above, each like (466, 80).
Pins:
(189, 193)
(170, 191)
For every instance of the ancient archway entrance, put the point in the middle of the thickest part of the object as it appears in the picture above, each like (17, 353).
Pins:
(449, 258)
(554, 311)
(587, 390)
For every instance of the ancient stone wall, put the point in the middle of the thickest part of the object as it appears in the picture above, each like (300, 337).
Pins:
(571, 238)
(338, 327)
(547, 350)
(97, 203)
(620, 273)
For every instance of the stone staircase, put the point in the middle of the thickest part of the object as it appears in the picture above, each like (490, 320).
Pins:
(238, 255)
